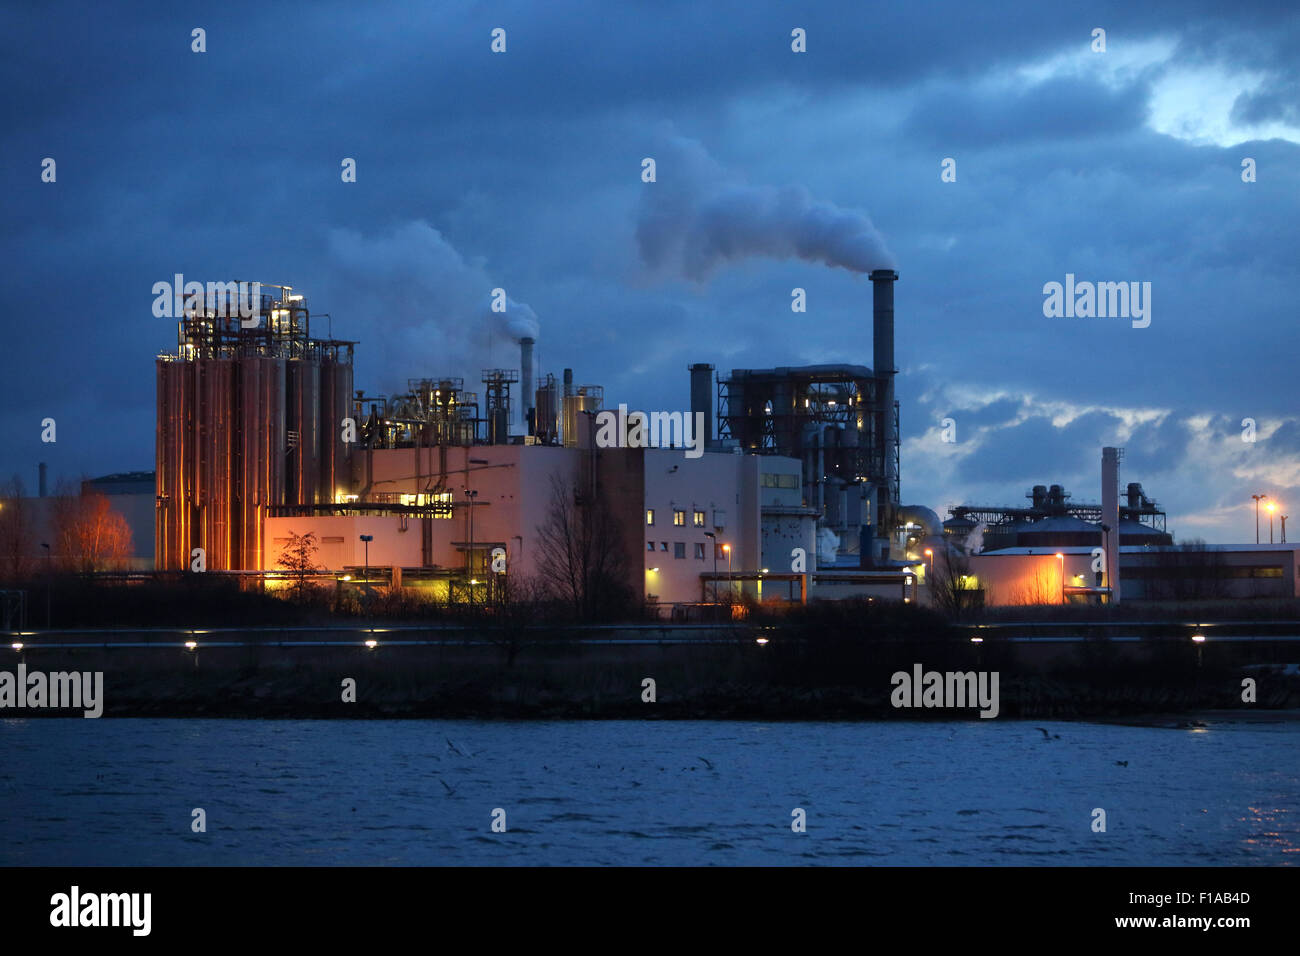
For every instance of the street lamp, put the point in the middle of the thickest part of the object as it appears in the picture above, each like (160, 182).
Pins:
(730, 594)
(1283, 517)
(367, 538)
(1061, 558)
(930, 580)
(713, 543)
(1105, 545)
(1257, 498)
(1271, 508)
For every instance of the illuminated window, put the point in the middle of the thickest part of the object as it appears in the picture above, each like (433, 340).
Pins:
(699, 519)
(649, 516)
(679, 518)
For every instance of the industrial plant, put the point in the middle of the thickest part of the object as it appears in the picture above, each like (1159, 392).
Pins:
(444, 487)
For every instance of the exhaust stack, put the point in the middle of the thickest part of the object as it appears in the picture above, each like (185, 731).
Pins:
(526, 383)
(702, 399)
(885, 495)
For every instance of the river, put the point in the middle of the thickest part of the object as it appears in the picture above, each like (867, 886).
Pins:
(424, 792)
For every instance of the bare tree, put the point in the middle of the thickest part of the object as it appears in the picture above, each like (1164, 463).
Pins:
(298, 558)
(949, 591)
(582, 559)
(91, 536)
(15, 532)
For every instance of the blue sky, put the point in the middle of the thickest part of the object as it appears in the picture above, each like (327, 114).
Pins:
(523, 170)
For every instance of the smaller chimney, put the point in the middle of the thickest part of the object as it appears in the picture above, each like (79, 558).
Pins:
(526, 382)
(41, 483)
(702, 399)
(568, 382)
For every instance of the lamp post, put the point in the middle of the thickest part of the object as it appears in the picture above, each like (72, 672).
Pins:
(1271, 508)
(1257, 498)
(713, 543)
(366, 539)
(1284, 517)
(930, 571)
(730, 595)
(1105, 547)
(1061, 558)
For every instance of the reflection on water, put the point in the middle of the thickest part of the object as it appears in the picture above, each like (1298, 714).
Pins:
(624, 792)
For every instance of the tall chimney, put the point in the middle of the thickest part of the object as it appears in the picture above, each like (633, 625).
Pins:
(702, 399)
(1110, 458)
(882, 346)
(42, 470)
(568, 382)
(526, 381)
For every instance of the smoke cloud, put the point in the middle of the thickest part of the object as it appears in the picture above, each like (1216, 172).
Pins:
(420, 308)
(516, 322)
(698, 216)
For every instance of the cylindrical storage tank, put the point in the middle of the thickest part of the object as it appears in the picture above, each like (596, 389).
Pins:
(170, 479)
(547, 413)
(573, 406)
(336, 454)
(304, 424)
(263, 417)
(499, 426)
(214, 484)
(1134, 494)
(1039, 496)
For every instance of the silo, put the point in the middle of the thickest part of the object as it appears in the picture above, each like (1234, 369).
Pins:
(303, 431)
(547, 414)
(335, 402)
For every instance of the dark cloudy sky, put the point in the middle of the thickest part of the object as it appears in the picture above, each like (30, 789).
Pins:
(523, 170)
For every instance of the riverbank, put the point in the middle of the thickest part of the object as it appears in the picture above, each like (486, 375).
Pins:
(729, 675)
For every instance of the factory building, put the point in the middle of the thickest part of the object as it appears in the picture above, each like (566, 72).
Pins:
(261, 437)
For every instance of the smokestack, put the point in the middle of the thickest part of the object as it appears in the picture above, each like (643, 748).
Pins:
(702, 399)
(1110, 458)
(568, 382)
(526, 381)
(42, 470)
(882, 346)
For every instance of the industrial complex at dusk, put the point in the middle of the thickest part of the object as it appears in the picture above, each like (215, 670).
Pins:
(792, 494)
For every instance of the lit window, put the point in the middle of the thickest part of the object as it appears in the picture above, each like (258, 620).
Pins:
(699, 550)
(679, 518)
(649, 516)
(679, 549)
(699, 519)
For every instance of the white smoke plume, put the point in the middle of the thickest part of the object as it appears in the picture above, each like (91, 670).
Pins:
(517, 321)
(419, 308)
(698, 216)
